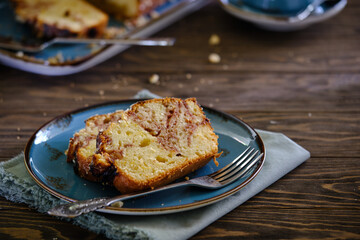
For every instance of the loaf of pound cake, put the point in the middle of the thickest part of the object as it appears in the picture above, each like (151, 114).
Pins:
(149, 145)
(77, 18)
(61, 18)
(125, 9)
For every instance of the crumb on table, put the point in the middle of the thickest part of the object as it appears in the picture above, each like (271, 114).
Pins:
(214, 58)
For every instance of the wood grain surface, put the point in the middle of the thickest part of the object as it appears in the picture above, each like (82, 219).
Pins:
(305, 84)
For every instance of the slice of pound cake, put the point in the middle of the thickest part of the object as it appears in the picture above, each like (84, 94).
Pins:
(151, 144)
(82, 145)
(61, 18)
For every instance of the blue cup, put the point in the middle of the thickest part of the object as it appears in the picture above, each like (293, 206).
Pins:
(278, 6)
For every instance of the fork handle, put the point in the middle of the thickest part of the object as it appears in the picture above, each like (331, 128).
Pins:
(77, 208)
(122, 41)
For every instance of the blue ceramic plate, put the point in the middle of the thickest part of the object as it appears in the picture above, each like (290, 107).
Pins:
(46, 162)
(278, 22)
(60, 59)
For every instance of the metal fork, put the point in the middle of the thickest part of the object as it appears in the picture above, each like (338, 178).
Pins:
(231, 172)
(33, 48)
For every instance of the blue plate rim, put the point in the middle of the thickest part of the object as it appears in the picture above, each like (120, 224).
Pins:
(145, 211)
(261, 17)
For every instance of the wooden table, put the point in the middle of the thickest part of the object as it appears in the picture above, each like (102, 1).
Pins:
(305, 84)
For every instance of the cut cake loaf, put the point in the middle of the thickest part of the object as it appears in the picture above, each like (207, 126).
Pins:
(124, 9)
(151, 144)
(61, 18)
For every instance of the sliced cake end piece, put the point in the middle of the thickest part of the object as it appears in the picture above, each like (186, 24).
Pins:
(82, 145)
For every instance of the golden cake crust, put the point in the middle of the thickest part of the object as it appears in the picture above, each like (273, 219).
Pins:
(126, 184)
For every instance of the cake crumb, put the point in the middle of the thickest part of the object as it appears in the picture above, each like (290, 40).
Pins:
(214, 40)
(78, 99)
(18, 137)
(118, 204)
(154, 79)
(113, 32)
(115, 86)
(113, 78)
(20, 54)
(101, 92)
(187, 178)
(125, 82)
(58, 58)
(215, 158)
(154, 14)
(140, 21)
(188, 76)
(214, 58)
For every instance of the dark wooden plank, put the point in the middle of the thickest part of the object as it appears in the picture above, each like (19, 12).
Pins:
(285, 224)
(319, 183)
(324, 134)
(227, 91)
(21, 222)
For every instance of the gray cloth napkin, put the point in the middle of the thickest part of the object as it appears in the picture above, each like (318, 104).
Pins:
(282, 156)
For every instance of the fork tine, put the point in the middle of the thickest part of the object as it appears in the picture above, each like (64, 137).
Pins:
(221, 171)
(234, 164)
(243, 171)
(245, 160)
